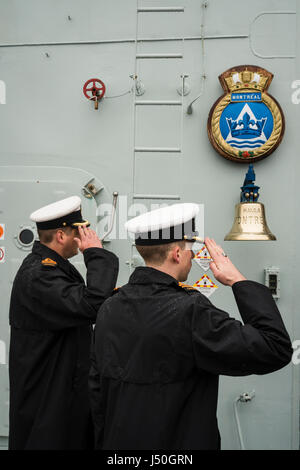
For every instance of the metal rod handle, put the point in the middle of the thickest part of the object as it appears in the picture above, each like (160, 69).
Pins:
(113, 213)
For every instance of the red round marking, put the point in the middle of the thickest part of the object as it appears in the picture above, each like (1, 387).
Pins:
(1, 254)
(1, 231)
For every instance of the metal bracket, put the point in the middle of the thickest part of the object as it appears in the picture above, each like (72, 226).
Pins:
(92, 188)
(139, 87)
(184, 89)
(246, 396)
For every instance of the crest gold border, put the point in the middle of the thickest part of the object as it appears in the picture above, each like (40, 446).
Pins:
(224, 149)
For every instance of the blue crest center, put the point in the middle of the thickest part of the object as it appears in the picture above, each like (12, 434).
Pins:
(246, 125)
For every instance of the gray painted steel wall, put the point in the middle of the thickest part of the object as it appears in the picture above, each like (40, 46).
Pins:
(52, 142)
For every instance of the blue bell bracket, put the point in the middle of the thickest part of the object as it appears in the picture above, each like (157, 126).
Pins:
(249, 190)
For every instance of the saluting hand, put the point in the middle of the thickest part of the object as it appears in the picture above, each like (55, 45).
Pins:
(88, 239)
(223, 269)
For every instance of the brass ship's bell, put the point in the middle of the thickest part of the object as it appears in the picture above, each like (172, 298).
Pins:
(250, 223)
(250, 219)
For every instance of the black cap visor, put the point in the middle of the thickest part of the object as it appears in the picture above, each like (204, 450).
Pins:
(70, 220)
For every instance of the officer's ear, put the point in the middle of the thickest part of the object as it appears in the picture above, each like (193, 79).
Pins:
(60, 236)
(176, 254)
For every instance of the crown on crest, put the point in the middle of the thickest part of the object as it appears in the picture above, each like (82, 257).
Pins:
(247, 77)
(246, 127)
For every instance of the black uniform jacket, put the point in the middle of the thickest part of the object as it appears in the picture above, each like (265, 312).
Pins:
(158, 351)
(51, 317)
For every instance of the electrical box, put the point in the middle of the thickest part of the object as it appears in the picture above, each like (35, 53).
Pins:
(272, 281)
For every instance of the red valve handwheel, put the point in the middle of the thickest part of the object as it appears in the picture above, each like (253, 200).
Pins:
(94, 88)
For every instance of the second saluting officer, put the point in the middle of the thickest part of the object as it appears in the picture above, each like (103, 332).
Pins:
(51, 317)
(160, 347)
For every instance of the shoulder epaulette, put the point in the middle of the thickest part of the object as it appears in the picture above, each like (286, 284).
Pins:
(49, 262)
(116, 289)
(187, 287)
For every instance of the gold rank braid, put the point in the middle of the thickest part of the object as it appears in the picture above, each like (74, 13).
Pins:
(271, 142)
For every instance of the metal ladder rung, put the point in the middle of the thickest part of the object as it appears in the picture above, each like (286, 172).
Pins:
(157, 149)
(172, 150)
(160, 9)
(158, 103)
(159, 56)
(174, 197)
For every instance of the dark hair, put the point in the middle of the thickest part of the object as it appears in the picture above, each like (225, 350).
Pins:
(157, 254)
(46, 236)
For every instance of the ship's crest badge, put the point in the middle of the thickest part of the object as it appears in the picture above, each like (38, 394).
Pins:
(246, 124)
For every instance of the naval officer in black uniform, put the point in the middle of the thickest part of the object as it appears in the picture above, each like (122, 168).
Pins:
(51, 315)
(159, 347)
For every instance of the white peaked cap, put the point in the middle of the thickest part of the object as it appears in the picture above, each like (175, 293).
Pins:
(56, 209)
(64, 213)
(162, 218)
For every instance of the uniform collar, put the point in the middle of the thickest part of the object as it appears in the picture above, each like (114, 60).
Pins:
(46, 252)
(147, 275)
